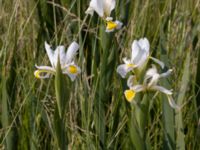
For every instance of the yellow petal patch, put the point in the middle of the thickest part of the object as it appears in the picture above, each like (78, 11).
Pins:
(38, 75)
(129, 94)
(72, 69)
(111, 25)
(130, 65)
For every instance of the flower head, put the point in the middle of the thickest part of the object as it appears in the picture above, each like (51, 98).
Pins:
(150, 84)
(139, 55)
(66, 61)
(104, 8)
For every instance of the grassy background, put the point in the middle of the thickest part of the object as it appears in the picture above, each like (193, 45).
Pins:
(97, 115)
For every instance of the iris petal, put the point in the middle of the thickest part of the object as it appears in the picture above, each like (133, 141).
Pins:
(123, 69)
(71, 52)
(97, 6)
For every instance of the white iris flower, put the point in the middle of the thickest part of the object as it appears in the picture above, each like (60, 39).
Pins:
(104, 8)
(66, 61)
(150, 84)
(139, 56)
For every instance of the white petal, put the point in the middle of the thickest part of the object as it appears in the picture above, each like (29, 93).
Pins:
(138, 88)
(123, 70)
(71, 52)
(144, 44)
(109, 18)
(139, 55)
(161, 89)
(135, 50)
(108, 6)
(47, 68)
(158, 62)
(172, 103)
(151, 71)
(119, 24)
(61, 51)
(90, 11)
(50, 53)
(97, 6)
(130, 81)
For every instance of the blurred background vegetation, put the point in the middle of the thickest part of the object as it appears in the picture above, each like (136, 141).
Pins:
(97, 115)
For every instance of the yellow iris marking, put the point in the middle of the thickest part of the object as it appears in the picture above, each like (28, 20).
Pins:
(72, 69)
(129, 94)
(111, 25)
(130, 65)
(37, 73)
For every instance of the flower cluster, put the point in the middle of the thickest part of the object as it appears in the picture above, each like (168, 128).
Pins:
(139, 57)
(138, 60)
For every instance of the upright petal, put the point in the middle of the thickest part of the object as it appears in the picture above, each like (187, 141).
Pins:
(144, 44)
(97, 6)
(71, 52)
(131, 81)
(108, 6)
(151, 76)
(135, 50)
(50, 53)
(61, 51)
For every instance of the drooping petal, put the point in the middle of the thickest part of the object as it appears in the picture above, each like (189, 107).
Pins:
(71, 52)
(38, 75)
(172, 102)
(119, 24)
(165, 74)
(138, 88)
(161, 89)
(97, 6)
(108, 6)
(162, 65)
(43, 72)
(47, 68)
(50, 53)
(72, 71)
(123, 69)
(111, 26)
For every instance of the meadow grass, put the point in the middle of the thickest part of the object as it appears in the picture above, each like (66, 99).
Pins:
(91, 112)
